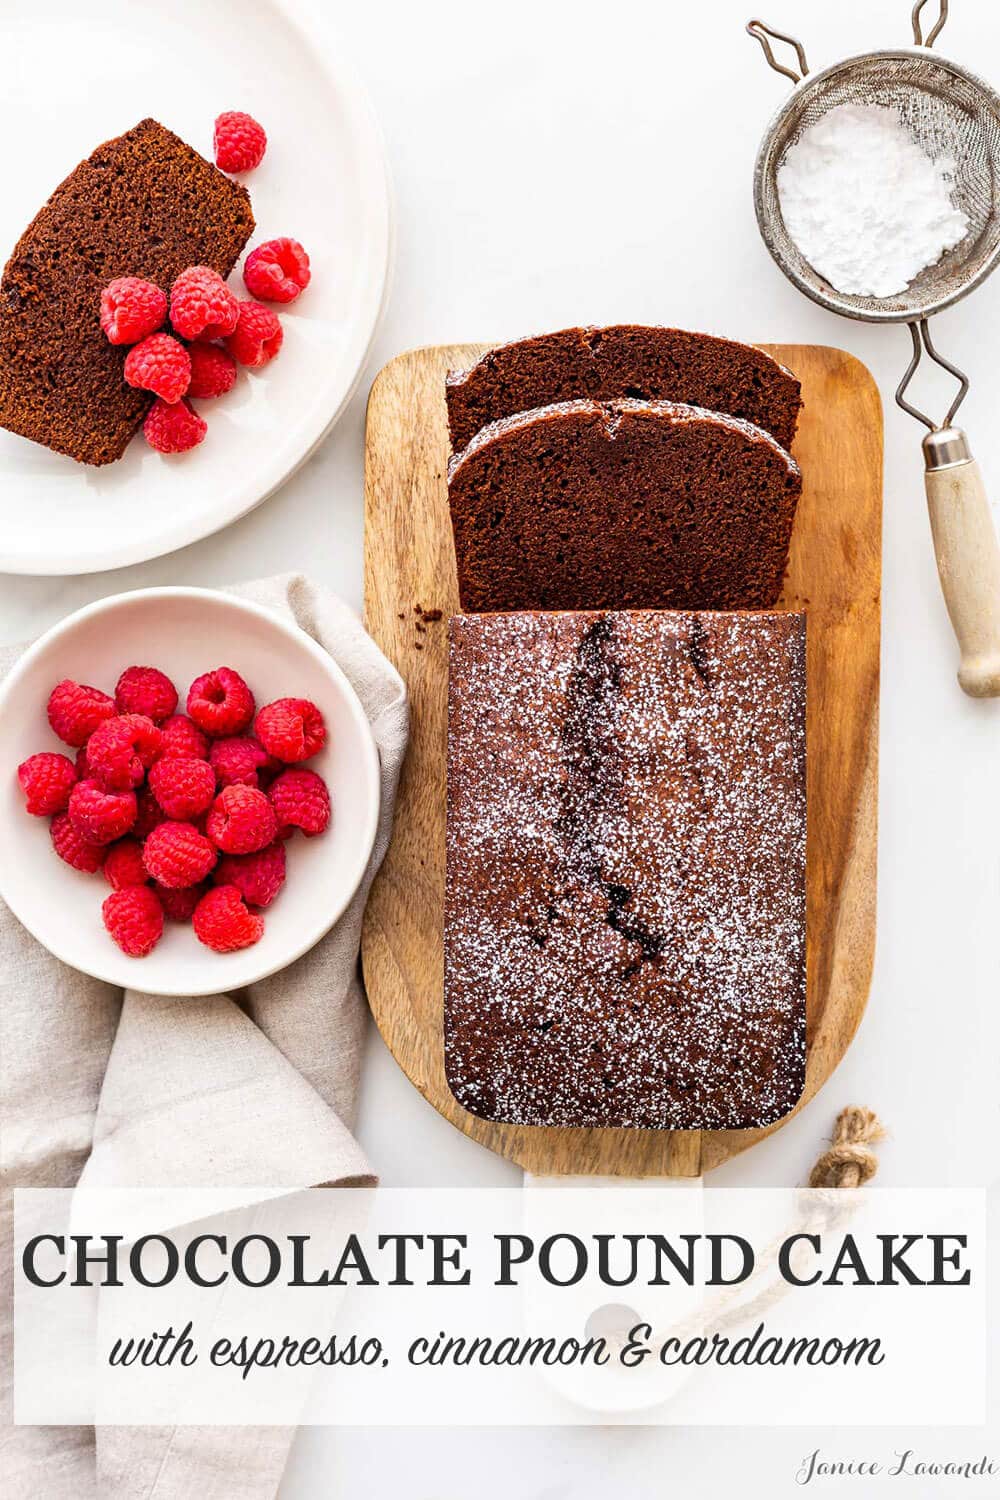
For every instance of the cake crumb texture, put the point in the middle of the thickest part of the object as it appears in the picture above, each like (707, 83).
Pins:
(622, 505)
(626, 910)
(143, 204)
(655, 364)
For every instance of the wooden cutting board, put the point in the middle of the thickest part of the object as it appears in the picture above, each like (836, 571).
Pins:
(411, 589)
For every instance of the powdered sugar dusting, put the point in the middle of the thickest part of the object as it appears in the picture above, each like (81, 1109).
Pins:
(625, 928)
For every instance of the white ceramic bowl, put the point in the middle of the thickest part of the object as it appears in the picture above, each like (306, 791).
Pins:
(185, 632)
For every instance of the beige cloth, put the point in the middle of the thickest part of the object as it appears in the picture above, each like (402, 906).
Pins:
(128, 1090)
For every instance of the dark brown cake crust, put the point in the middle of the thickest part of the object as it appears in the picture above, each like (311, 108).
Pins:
(625, 908)
(144, 204)
(628, 505)
(654, 364)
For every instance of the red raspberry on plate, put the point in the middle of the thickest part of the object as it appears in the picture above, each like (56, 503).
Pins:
(76, 710)
(160, 364)
(239, 142)
(291, 729)
(146, 690)
(220, 702)
(223, 923)
(46, 781)
(121, 750)
(213, 371)
(183, 786)
(301, 800)
(131, 309)
(173, 429)
(258, 877)
(181, 736)
(178, 906)
(177, 855)
(134, 918)
(241, 821)
(277, 271)
(257, 336)
(202, 305)
(124, 866)
(149, 815)
(70, 845)
(100, 816)
(239, 760)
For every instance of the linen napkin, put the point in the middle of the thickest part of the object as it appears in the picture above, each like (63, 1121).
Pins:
(117, 1089)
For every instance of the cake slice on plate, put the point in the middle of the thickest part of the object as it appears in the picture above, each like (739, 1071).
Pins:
(625, 916)
(144, 204)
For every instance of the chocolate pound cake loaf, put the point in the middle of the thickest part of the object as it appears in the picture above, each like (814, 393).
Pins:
(625, 912)
(144, 204)
(623, 505)
(657, 364)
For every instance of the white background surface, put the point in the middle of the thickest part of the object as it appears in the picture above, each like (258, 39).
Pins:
(559, 162)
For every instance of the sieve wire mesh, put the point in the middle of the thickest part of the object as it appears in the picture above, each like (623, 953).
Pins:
(948, 111)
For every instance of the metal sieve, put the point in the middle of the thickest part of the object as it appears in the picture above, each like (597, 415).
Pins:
(947, 110)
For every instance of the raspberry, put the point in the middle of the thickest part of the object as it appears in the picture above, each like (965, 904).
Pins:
(160, 364)
(300, 800)
(176, 855)
(239, 142)
(201, 305)
(75, 711)
(145, 690)
(179, 906)
(220, 702)
(277, 271)
(241, 821)
(257, 337)
(173, 429)
(100, 816)
(183, 786)
(238, 760)
(258, 877)
(223, 923)
(181, 736)
(134, 918)
(121, 750)
(70, 845)
(131, 309)
(291, 729)
(46, 780)
(213, 371)
(150, 814)
(123, 865)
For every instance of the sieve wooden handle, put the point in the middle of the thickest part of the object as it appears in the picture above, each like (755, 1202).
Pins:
(968, 558)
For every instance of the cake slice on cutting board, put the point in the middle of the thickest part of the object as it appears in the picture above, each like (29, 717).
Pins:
(143, 204)
(622, 505)
(625, 916)
(604, 364)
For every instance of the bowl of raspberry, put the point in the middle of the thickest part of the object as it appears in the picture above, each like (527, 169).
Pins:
(190, 791)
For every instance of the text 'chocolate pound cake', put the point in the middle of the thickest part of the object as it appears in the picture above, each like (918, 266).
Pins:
(625, 911)
(144, 204)
(623, 505)
(654, 364)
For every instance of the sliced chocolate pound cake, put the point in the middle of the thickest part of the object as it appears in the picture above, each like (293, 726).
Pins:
(654, 364)
(144, 204)
(622, 505)
(625, 917)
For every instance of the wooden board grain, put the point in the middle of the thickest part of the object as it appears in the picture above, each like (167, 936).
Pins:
(411, 589)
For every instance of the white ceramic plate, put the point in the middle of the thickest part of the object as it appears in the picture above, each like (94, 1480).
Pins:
(185, 632)
(75, 75)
